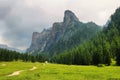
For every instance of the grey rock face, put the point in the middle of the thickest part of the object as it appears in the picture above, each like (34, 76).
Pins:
(39, 41)
(69, 16)
(45, 41)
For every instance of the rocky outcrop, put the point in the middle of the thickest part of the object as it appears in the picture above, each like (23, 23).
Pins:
(60, 31)
(69, 17)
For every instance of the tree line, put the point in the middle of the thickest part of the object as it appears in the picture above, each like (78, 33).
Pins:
(7, 55)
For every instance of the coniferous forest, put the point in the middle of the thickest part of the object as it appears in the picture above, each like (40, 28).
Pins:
(7, 55)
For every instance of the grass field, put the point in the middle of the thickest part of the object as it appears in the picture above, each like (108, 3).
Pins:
(57, 72)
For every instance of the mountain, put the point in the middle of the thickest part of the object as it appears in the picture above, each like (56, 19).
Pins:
(101, 49)
(3, 46)
(63, 35)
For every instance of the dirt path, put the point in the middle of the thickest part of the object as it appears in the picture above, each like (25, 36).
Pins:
(16, 73)
(33, 68)
(3, 65)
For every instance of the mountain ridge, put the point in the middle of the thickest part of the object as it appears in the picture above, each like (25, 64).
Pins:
(62, 31)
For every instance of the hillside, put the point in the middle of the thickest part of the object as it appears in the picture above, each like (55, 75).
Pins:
(99, 50)
(63, 35)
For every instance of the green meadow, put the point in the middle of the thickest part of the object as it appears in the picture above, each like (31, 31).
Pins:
(57, 71)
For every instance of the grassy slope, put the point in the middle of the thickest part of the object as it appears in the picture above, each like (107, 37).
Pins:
(57, 72)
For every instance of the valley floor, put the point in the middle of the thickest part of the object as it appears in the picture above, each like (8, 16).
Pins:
(42, 71)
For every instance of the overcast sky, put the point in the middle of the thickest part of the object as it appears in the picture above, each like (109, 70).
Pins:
(20, 18)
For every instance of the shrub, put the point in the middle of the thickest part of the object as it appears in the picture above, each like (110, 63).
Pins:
(100, 65)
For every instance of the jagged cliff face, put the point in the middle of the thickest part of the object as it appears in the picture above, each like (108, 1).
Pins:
(69, 17)
(39, 41)
(47, 40)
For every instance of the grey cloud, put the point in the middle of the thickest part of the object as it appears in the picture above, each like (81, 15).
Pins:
(3, 12)
(21, 20)
(5, 7)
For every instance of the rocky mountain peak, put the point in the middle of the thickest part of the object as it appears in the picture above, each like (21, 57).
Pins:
(62, 35)
(35, 35)
(69, 16)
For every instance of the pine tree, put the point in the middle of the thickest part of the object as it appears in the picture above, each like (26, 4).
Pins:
(118, 56)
